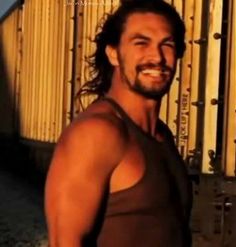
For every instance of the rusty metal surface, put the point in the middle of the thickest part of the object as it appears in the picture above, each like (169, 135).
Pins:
(212, 84)
(46, 69)
(185, 82)
(229, 143)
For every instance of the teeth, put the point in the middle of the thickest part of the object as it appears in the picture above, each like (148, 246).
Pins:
(152, 72)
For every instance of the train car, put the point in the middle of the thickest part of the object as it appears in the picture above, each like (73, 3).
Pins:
(43, 50)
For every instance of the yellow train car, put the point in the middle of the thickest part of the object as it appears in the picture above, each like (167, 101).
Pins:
(43, 50)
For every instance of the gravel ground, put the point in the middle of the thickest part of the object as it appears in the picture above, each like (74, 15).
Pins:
(22, 221)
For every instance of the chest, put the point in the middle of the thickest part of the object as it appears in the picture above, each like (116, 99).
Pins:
(144, 173)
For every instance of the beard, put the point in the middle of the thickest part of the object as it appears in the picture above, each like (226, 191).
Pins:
(154, 93)
(139, 86)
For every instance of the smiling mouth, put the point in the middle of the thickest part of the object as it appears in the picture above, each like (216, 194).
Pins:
(154, 72)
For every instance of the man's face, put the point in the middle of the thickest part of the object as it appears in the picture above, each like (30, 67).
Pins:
(146, 55)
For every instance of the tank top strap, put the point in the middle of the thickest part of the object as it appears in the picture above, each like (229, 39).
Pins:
(119, 109)
(138, 130)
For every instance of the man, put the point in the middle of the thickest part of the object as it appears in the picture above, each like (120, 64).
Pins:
(116, 178)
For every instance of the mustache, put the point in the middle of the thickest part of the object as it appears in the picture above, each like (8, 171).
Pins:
(158, 66)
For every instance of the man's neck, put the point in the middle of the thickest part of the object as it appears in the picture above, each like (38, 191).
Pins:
(144, 112)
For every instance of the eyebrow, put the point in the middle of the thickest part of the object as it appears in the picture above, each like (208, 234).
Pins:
(143, 37)
(169, 38)
(139, 36)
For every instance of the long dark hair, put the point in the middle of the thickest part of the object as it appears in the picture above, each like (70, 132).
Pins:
(109, 33)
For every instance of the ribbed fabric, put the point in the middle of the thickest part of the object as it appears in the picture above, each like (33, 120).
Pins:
(155, 211)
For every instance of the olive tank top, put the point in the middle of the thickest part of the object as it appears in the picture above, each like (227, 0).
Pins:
(155, 211)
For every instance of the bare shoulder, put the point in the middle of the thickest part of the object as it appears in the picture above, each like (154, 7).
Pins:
(95, 123)
(98, 131)
(89, 149)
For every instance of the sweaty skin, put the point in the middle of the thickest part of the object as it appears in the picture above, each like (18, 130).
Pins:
(97, 154)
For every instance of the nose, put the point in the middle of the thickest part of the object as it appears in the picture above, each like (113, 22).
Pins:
(155, 54)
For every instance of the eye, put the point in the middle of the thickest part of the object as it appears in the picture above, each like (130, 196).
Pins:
(169, 43)
(140, 43)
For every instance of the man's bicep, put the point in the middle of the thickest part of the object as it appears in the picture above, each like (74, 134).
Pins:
(77, 181)
(75, 189)
(84, 184)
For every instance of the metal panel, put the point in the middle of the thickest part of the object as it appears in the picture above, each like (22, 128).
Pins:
(185, 81)
(195, 78)
(46, 77)
(212, 85)
(18, 70)
(229, 154)
(84, 44)
(68, 60)
(169, 105)
(78, 64)
(10, 34)
(173, 96)
(9, 49)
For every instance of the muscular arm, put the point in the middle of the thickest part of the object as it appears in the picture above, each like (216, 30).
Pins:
(78, 177)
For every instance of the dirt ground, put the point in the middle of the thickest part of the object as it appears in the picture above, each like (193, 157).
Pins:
(22, 222)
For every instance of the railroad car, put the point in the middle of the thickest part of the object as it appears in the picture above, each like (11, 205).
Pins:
(43, 50)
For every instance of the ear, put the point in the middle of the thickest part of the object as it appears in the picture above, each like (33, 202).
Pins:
(112, 55)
